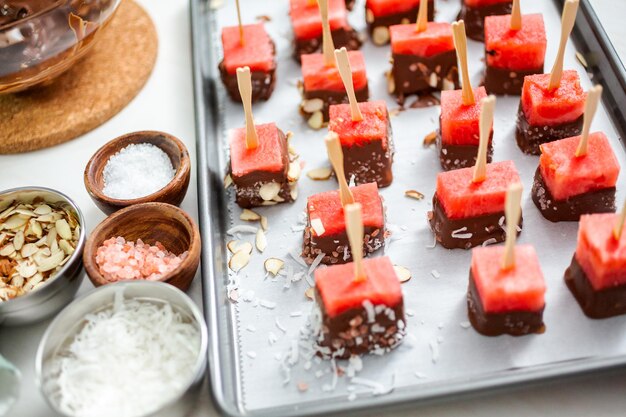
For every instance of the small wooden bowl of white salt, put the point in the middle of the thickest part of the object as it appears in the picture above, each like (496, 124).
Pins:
(139, 167)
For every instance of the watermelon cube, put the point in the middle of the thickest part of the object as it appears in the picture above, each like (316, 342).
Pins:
(380, 15)
(367, 144)
(257, 53)
(326, 227)
(510, 54)
(507, 301)
(467, 214)
(597, 275)
(474, 12)
(252, 169)
(359, 317)
(323, 85)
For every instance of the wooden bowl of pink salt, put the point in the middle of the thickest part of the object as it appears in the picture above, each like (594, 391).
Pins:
(149, 241)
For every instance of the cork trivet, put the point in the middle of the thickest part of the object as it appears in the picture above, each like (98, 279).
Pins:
(90, 93)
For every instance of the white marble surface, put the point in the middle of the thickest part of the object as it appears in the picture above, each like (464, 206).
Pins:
(166, 104)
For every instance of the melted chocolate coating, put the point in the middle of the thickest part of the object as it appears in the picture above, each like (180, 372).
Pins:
(341, 37)
(370, 162)
(530, 137)
(414, 74)
(460, 156)
(506, 82)
(337, 247)
(331, 97)
(596, 304)
(263, 84)
(474, 17)
(489, 227)
(399, 18)
(515, 323)
(570, 210)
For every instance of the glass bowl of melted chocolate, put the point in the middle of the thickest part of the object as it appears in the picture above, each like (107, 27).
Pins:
(41, 39)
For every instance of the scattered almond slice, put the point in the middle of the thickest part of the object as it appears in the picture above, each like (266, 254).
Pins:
(414, 194)
(318, 227)
(239, 260)
(310, 293)
(261, 240)
(228, 181)
(269, 191)
(316, 121)
(264, 224)
(430, 139)
(293, 191)
(581, 58)
(249, 215)
(403, 273)
(235, 246)
(294, 172)
(273, 265)
(320, 174)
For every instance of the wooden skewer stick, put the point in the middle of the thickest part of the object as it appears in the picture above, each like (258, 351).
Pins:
(488, 106)
(241, 40)
(422, 17)
(513, 212)
(244, 81)
(327, 39)
(516, 16)
(354, 228)
(335, 154)
(567, 24)
(460, 43)
(619, 227)
(343, 65)
(591, 105)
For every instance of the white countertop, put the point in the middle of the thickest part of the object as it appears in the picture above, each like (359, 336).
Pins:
(166, 104)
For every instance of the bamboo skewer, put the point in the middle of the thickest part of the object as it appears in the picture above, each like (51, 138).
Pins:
(327, 40)
(354, 229)
(567, 24)
(487, 109)
(516, 16)
(591, 105)
(335, 154)
(241, 39)
(460, 43)
(513, 212)
(244, 81)
(619, 226)
(422, 17)
(343, 65)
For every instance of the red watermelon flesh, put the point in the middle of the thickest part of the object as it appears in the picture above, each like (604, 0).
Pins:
(460, 124)
(519, 50)
(269, 156)
(307, 21)
(566, 175)
(436, 39)
(319, 77)
(374, 126)
(340, 293)
(390, 7)
(521, 288)
(257, 52)
(461, 198)
(601, 256)
(552, 108)
(483, 3)
(328, 209)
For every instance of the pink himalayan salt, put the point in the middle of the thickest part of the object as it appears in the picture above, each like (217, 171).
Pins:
(119, 260)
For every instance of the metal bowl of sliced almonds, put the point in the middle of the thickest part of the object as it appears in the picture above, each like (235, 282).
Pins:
(41, 243)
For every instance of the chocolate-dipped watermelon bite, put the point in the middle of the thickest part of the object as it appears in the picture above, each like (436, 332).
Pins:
(423, 58)
(260, 166)
(307, 26)
(474, 12)
(506, 293)
(253, 48)
(515, 46)
(361, 309)
(577, 175)
(597, 274)
(382, 14)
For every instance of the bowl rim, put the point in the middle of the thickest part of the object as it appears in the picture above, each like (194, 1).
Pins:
(43, 11)
(182, 171)
(90, 246)
(78, 251)
(199, 366)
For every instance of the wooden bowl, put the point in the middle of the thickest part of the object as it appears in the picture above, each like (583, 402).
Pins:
(150, 222)
(172, 193)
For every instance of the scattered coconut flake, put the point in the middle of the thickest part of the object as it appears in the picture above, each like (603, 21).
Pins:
(434, 351)
(242, 228)
(295, 314)
(251, 354)
(268, 304)
(251, 328)
(489, 241)
(434, 245)
(465, 324)
(435, 274)
(409, 312)
(271, 338)
(458, 234)
(280, 326)
(296, 257)
(316, 262)
(420, 375)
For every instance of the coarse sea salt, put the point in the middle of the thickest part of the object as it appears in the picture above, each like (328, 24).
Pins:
(136, 171)
(126, 361)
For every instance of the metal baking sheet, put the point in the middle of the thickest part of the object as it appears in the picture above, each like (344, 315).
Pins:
(442, 355)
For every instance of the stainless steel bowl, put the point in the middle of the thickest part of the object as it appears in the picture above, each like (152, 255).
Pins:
(58, 291)
(65, 326)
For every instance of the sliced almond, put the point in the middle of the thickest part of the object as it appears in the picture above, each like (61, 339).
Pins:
(269, 191)
(380, 35)
(316, 121)
(581, 58)
(293, 191)
(391, 83)
(447, 85)
(269, 203)
(433, 80)
(264, 223)
(28, 250)
(261, 240)
(42, 209)
(318, 227)
(310, 293)
(312, 105)
(414, 194)
(65, 246)
(27, 269)
(273, 265)
(249, 215)
(430, 139)
(369, 16)
(294, 172)
(51, 262)
(35, 227)
(18, 240)
(235, 246)
(14, 222)
(403, 273)
(63, 229)
(239, 260)
(320, 174)
(228, 181)
(7, 250)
